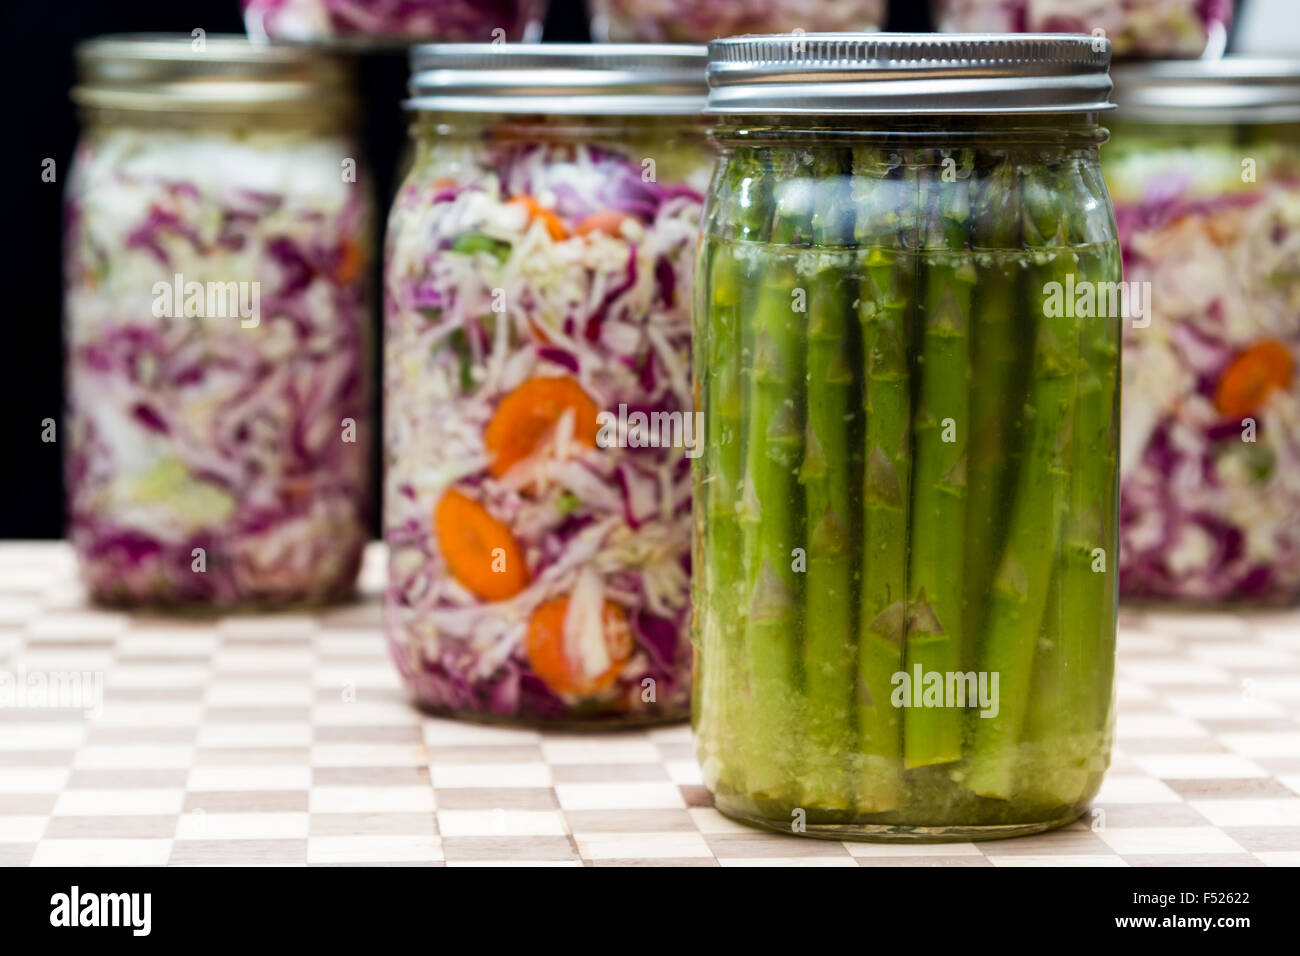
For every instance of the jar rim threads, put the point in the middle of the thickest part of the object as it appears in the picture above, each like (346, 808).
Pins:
(909, 74)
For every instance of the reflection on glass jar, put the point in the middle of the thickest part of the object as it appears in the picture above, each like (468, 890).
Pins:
(537, 383)
(905, 513)
(363, 22)
(217, 247)
(1208, 202)
(694, 21)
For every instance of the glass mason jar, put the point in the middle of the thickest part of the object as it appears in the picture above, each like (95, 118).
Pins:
(1137, 28)
(539, 271)
(216, 319)
(692, 21)
(905, 512)
(1205, 171)
(388, 22)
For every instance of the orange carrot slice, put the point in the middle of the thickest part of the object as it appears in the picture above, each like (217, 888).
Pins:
(546, 651)
(608, 221)
(527, 415)
(480, 550)
(1254, 375)
(554, 226)
(351, 262)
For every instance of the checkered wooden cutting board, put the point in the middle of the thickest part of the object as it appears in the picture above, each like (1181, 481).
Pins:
(287, 739)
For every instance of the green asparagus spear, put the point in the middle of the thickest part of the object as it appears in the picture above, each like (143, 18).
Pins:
(830, 489)
(1045, 767)
(886, 231)
(772, 514)
(932, 735)
(1021, 588)
(1065, 732)
(1102, 354)
(1089, 574)
(1046, 747)
(997, 373)
(727, 297)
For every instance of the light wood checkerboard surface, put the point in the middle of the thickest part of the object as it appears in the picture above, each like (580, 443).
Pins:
(287, 740)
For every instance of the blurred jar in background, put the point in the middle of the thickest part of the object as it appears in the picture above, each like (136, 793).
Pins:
(697, 21)
(216, 323)
(1204, 168)
(1135, 28)
(364, 22)
(539, 268)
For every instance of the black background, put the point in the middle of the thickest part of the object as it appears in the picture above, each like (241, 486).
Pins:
(37, 72)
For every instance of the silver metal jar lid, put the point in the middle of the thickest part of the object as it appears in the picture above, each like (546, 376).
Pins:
(558, 78)
(222, 73)
(900, 74)
(1231, 90)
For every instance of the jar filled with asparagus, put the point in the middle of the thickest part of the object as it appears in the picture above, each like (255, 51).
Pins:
(906, 355)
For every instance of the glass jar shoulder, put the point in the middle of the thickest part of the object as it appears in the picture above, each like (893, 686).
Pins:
(297, 164)
(671, 149)
(911, 196)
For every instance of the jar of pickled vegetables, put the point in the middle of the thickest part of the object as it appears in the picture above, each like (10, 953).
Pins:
(1137, 28)
(538, 412)
(387, 22)
(905, 513)
(216, 325)
(694, 21)
(1205, 171)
